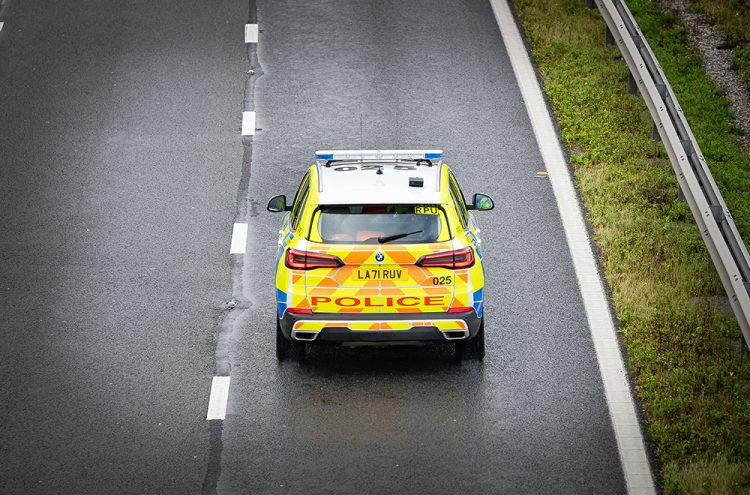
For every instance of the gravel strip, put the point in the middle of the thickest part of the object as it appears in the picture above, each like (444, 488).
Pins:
(717, 56)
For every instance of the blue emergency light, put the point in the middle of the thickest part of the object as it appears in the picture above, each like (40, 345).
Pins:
(378, 155)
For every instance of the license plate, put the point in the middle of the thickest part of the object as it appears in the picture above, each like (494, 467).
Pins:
(380, 273)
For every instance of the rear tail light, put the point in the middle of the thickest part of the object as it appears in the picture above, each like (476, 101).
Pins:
(460, 309)
(459, 258)
(306, 260)
(299, 311)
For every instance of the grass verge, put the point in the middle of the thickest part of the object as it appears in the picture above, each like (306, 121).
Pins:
(684, 352)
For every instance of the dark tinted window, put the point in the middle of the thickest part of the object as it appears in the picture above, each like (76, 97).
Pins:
(458, 199)
(362, 224)
(299, 200)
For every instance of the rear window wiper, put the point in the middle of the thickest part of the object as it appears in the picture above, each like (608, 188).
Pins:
(395, 237)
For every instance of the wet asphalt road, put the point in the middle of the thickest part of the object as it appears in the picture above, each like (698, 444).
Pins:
(119, 159)
(121, 172)
(532, 418)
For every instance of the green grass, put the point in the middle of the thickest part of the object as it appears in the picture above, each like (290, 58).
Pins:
(732, 17)
(741, 62)
(683, 352)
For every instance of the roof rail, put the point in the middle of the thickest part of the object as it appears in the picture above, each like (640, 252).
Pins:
(323, 157)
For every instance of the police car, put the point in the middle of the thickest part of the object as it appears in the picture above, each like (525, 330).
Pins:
(379, 246)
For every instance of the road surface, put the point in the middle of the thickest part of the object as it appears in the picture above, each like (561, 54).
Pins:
(123, 170)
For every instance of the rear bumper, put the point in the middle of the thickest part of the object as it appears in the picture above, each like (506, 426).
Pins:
(399, 327)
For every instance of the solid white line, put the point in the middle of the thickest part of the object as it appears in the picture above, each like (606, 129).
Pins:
(248, 123)
(251, 33)
(627, 430)
(1, 25)
(239, 238)
(217, 402)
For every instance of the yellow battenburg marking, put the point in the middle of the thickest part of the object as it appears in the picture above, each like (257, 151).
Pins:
(362, 285)
(389, 325)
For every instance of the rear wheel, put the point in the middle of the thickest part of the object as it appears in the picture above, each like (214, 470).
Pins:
(288, 350)
(472, 350)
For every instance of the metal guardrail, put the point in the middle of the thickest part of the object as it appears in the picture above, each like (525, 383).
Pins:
(728, 253)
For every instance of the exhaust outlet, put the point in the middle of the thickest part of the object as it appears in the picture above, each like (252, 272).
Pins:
(304, 335)
(455, 334)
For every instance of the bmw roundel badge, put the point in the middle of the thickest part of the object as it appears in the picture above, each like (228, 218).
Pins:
(379, 257)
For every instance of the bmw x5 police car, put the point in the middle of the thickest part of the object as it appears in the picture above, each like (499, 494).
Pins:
(379, 246)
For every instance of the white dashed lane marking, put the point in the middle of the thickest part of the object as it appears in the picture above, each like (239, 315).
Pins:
(620, 403)
(251, 33)
(239, 238)
(248, 123)
(217, 402)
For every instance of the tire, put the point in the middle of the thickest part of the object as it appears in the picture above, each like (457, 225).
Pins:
(286, 349)
(472, 350)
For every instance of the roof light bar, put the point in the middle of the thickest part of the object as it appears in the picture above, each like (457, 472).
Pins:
(377, 155)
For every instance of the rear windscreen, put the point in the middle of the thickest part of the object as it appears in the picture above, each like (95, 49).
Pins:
(376, 224)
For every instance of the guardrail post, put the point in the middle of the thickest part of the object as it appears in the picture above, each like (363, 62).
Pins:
(590, 4)
(632, 85)
(680, 193)
(655, 133)
(609, 39)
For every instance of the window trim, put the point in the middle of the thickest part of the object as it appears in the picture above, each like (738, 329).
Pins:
(299, 200)
(458, 200)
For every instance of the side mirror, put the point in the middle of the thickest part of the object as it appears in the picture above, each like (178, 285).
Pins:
(277, 204)
(481, 202)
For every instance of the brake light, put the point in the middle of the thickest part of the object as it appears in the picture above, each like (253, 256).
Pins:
(459, 258)
(460, 309)
(306, 260)
(299, 311)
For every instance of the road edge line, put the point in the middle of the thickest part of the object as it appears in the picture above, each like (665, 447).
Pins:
(630, 443)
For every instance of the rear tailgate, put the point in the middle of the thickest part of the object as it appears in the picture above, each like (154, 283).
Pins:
(380, 279)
